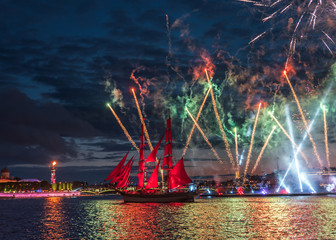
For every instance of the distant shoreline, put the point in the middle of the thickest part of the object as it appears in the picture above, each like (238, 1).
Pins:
(39, 194)
(267, 195)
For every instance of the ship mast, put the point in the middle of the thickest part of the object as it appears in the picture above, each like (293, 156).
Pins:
(141, 169)
(168, 150)
(167, 158)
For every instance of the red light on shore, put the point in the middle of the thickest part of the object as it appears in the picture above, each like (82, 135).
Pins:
(240, 191)
(54, 163)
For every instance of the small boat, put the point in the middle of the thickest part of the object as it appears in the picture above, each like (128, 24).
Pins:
(176, 179)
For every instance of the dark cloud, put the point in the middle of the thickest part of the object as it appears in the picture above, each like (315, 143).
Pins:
(29, 128)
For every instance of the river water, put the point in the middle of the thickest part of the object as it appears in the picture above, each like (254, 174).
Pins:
(107, 217)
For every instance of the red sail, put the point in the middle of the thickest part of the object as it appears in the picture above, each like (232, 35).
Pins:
(117, 169)
(121, 173)
(153, 181)
(141, 169)
(152, 155)
(123, 182)
(168, 150)
(178, 176)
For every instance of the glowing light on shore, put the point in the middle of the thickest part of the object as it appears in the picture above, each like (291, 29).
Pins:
(263, 149)
(227, 146)
(284, 177)
(305, 136)
(241, 157)
(326, 136)
(290, 139)
(142, 121)
(123, 128)
(193, 127)
(303, 176)
(251, 143)
(236, 143)
(54, 163)
(205, 138)
(289, 123)
(304, 120)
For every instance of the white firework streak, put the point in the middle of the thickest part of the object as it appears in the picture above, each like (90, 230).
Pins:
(297, 25)
(286, 8)
(332, 2)
(327, 47)
(273, 4)
(270, 16)
(328, 37)
(310, 2)
(257, 37)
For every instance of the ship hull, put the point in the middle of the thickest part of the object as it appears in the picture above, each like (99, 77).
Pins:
(159, 197)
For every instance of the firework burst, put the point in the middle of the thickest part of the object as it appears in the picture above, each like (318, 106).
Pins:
(304, 20)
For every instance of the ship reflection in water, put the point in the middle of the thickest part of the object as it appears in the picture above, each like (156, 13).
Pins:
(306, 217)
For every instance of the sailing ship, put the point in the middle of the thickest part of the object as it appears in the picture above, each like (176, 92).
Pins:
(149, 191)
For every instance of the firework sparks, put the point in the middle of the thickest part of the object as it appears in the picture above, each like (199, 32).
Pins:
(262, 150)
(168, 34)
(251, 143)
(227, 146)
(123, 128)
(193, 127)
(304, 120)
(290, 139)
(205, 138)
(142, 121)
(326, 136)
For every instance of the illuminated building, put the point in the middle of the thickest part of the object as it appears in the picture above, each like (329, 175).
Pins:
(5, 173)
(53, 173)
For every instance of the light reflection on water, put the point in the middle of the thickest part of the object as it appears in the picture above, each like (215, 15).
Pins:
(53, 219)
(219, 218)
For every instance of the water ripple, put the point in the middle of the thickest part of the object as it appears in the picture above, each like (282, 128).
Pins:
(108, 217)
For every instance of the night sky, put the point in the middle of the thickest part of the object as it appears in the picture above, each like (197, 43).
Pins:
(62, 61)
